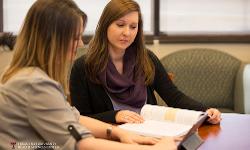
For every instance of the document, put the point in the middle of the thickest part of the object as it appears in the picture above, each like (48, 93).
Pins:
(163, 121)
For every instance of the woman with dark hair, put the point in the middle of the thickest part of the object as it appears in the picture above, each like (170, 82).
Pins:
(118, 74)
(34, 113)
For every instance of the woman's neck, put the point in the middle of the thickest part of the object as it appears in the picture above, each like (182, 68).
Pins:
(117, 59)
(116, 55)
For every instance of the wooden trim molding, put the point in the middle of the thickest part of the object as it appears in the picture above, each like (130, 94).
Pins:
(1, 15)
(149, 39)
(156, 17)
(244, 38)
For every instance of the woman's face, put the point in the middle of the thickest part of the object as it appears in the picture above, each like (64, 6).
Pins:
(122, 32)
(76, 42)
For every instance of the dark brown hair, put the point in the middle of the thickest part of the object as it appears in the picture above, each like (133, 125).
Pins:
(97, 55)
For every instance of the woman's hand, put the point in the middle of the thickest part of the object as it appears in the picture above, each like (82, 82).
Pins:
(127, 116)
(214, 115)
(125, 136)
(166, 143)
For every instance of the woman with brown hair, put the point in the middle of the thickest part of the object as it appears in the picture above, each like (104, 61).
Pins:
(34, 113)
(118, 74)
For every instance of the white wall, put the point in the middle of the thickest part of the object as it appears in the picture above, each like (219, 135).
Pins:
(15, 11)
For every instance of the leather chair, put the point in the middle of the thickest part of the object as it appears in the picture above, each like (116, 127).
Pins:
(210, 76)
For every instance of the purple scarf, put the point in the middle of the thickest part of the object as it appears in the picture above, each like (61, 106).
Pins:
(123, 88)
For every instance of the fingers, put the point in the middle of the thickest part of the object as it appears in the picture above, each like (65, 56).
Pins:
(147, 140)
(214, 121)
(214, 116)
(126, 116)
(168, 139)
(132, 138)
(135, 118)
(178, 139)
(166, 143)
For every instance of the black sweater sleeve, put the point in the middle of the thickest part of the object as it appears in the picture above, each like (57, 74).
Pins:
(88, 97)
(168, 91)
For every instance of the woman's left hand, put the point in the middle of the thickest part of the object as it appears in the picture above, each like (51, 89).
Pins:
(214, 115)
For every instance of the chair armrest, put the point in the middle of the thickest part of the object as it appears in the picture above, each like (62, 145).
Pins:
(246, 88)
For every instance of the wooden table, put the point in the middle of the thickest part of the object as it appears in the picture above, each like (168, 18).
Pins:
(233, 133)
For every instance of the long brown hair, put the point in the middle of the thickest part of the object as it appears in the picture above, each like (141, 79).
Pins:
(44, 40)
(97, 55)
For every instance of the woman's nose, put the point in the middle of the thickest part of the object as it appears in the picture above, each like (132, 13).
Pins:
(126, 31)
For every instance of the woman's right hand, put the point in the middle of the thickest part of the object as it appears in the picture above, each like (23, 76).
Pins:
(127, 116)
(166, 143)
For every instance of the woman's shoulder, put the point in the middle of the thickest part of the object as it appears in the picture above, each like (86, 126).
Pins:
(30, 76)
(152, 56)
(31, 80)
(78, 69)
(80, 61)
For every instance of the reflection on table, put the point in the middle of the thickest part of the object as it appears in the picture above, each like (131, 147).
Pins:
(233, 133)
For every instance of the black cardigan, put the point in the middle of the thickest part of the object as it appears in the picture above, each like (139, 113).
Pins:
(92, 100)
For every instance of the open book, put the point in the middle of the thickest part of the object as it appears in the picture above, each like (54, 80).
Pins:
(164, 121)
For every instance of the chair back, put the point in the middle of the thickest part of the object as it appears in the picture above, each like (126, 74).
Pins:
(206, 75)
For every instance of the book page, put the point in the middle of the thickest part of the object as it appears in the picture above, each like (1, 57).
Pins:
(157, 129)
(162, 113)
(164, 121)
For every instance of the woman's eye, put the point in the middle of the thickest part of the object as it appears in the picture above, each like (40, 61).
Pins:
(133, 27)
(120, 25)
